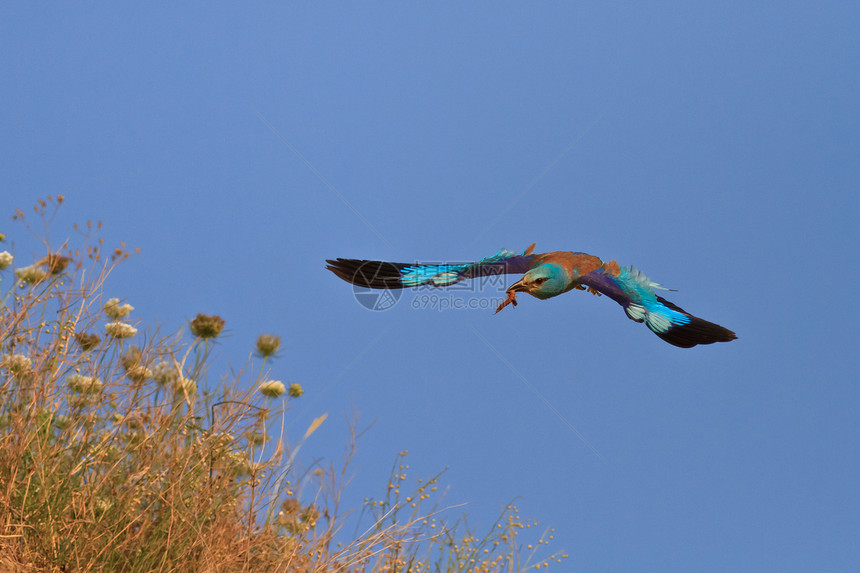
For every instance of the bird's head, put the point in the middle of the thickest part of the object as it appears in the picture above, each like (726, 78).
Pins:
(544, 281)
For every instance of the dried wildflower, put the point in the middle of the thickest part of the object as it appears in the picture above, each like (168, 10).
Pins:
(185, 386)
(5, 260)
(295, 518)
(257, 438)
(87, 341)
(84, 384)
(101, 505)
(268, 344)
(120, 330)
(205, 326)
(15, 363)
(31, 274)
(131, 358)
(139, 373)
(296, 390)
(115, 311)
(291, 506)
(56, 263)
(272, 388)
(288, 516)
(165, 373)
(131, 362)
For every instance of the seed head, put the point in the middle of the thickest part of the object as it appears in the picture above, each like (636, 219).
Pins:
(131, 358)
(296, 390)
(205, 326)
(132, 363)
(56, 263)
(5, 260)
(291, 506)
(87, 341)
(268, 344)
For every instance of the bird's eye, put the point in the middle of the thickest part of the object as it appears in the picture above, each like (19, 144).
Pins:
(540, 280)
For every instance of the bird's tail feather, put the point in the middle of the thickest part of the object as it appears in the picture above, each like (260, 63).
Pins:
(370, 274)
(685, 334)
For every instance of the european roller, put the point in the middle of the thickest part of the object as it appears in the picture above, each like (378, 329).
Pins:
(545, 276)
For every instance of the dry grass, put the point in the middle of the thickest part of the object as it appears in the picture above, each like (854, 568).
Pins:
(117, 454)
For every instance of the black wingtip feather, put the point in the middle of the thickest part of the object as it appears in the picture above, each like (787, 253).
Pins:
(698, 331)
(370, 274)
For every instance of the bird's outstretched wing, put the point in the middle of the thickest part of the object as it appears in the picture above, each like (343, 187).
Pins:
(631, 289)
(382, 274)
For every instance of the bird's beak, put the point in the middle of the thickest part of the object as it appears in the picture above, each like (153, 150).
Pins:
(518, 287)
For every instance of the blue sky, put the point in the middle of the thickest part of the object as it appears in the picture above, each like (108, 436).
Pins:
(714, 146)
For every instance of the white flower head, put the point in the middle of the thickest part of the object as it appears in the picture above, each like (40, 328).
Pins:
(5, 260)
(139, 373)
(120, 329)
(31, 274)
(115, 311)
(272, 388)
(185, 386)
(85, 384)
(15, 363)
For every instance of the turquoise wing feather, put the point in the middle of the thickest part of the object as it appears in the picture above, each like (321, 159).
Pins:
(383, 274)
(630, 288)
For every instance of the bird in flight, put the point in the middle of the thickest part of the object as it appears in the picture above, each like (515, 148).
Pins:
(545, 276)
